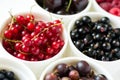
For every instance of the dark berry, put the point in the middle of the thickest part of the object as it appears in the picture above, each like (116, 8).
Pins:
(83, 67)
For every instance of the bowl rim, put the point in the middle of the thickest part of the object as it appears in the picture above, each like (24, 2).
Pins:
(96, 5)
(93, 65)
(76, 51)
(67, 16)
(9, 63)
(64, 35)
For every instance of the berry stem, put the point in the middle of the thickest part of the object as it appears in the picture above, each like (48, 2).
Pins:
(45, 29)
(12, 21)
(68, 7)
(23, 52)
(15, 41)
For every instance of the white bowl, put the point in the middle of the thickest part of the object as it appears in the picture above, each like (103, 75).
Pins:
(97, 8)
(98, 69)
(94, 16)
(36, 66)
(66, 18)
(22, 72)
(75, 52)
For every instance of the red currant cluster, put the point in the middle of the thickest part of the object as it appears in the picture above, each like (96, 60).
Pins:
(32, 40)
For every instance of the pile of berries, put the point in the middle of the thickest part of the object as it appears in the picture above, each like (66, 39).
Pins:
(7, 75)
(80, 71)
(63, 7)
(112, 6)
(98, 40)
(32, 40)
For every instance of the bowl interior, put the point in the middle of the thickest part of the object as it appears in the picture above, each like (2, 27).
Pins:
(38, 17)
(94, 16)
(73, 60)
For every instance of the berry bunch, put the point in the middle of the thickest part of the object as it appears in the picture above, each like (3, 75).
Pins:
(32, 40)
(63, 7)
(97, 39)
(81, 71)
(112, 6)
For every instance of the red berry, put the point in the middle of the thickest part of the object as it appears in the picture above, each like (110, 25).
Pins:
(25, 49)
(18, 46)
(20, 19)
(55, 45)
(35, 50)
(41, 56)
(115, 11)
(21, 56)
(29, 17)
(8, 34)
(50, 51)
(30, 26)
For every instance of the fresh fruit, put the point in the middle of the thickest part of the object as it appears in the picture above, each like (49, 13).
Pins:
(7, 75)
(79, 71)
(63, 7)
(111, 6)
(97, 39)
(28, 39)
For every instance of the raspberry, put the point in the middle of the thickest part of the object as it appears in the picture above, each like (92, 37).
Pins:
(106, 6)
(115, 11)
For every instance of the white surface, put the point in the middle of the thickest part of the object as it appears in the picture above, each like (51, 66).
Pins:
(24, 5)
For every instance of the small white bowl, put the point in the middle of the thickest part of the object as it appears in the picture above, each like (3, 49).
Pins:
(97, 8)
(36, 66)
(98, 69)
(66, 18)
(22, 72)
(94, 16)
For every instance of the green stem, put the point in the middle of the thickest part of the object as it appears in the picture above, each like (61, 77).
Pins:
(43, 3)
(68, 7)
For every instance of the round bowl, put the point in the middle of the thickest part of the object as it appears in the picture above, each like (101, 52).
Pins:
(66, 18)
(98, 69)
(36, 66)
(94, 16)
(97, 8)
(22, 72)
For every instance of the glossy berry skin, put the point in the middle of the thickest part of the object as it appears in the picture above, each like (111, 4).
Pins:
(63, 7)
(33, 40)
(83, 67)
(51, 76)
(95, 39)
(80, 70)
